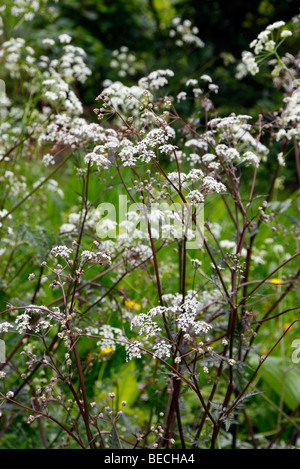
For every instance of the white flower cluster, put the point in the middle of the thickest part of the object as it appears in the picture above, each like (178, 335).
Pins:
(130, 153)
(162, 349)
(265, 44)
(187, 318)
(22, 322)
(124, 61)
(145, 323)
(156, 79)
(98, 257)
(5, 326)
(42, 326)
(133, 350)
(13, 184)
(201, 144)
(193, 83)
(143, 150)
(185, 315)
(71, 64)
(290, 117)
(182, 96)
(98, 157)
(186, 179)
(223, 124)
(196, 197)
(12, 51)
(5, 102)
(67, 68)
(206, 184)
(24, 9)
(265, 40)
(136, 254)
(232, 154)
(4, 213)
(209, 185)
(235, 130)
(48, 159)
(124, 240)
(57, 92)
(247, 65)
(109, 334)
(187, 312)
(71, 131)
(62, 251)
(52, 86)
(250, 157)
(185, 33)
(64, 38)
(124, 98)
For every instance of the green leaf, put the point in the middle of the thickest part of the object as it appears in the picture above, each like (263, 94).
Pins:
(294, 220)
(127, 389)
(272, 373)
(39, 238)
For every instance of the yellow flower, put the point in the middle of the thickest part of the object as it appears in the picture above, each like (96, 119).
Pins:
(106, 351)
(285, 327)
(132, 305)
(264, 351)
(276, 281)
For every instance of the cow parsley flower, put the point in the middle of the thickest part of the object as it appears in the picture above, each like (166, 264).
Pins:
(248, 65)
(62, 251)
(48, 42)
(195, 197)
(48, 159)
(5, 326)
(162, 350)
(250, 157)
(65, 38)
(182, 96)
(211, 185)
(156, 79)
(109, 334)
(22, 322)
(133, 350)
(285, 33)
(144, 322)
(95, 257)
(281, 159)
(97, 157)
